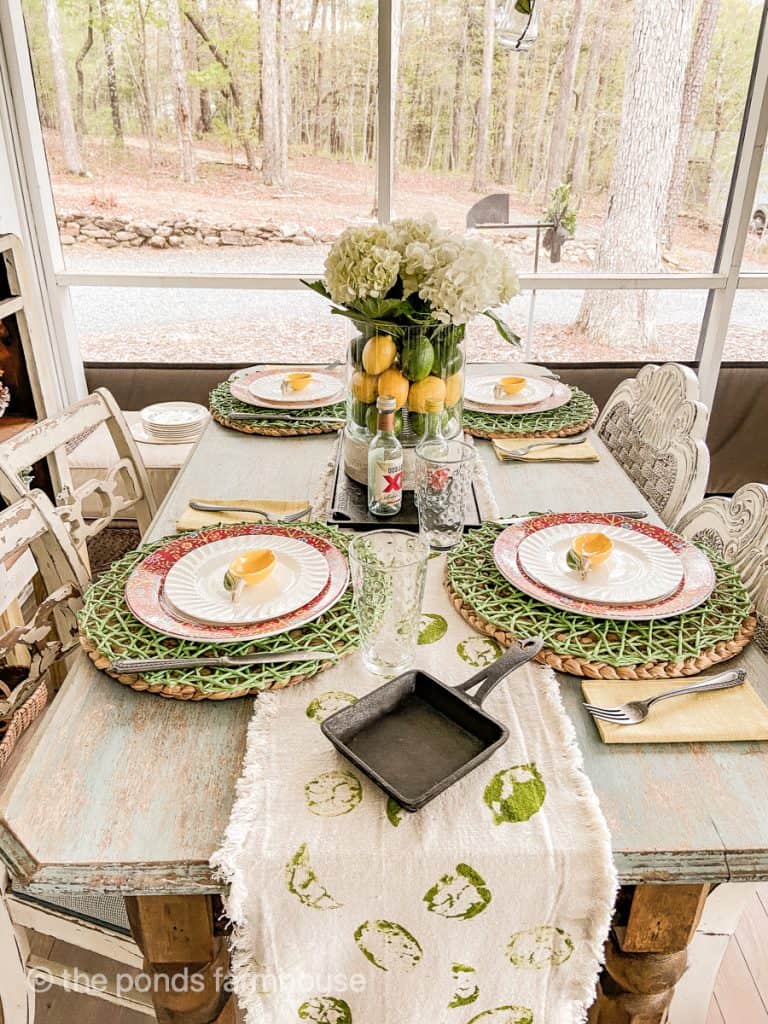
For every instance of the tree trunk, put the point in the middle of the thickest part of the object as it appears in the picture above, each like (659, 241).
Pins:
(146, 99)
(233, 89)
(484, 101)
(583, 137)
(538, 150)
(73, 161)
(459, 90)
(320, 74)
(274, 168)
(694, 84)
(284, 89)
(181, 97)
(558, 146)
(717, 103)
(82, 54)
(109, 58)
(645, 150)
(510, 128)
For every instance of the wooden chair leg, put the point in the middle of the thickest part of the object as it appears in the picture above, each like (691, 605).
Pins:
(647, 952)
(17, 993)
(187, 962)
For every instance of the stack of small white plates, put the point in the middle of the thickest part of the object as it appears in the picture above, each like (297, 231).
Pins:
(171, 423)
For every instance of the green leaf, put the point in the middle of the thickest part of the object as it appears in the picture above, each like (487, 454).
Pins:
(384, 309)
(384, 325)
(524, 6)
(317, 286)
(502, 327)
(573, 561)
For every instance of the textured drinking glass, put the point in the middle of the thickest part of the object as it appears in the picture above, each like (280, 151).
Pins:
(389, 570)
(443, 479)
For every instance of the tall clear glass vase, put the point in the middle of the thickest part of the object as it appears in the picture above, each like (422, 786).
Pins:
(411, 365)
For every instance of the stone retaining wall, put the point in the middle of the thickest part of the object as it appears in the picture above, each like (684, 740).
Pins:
(112, 231)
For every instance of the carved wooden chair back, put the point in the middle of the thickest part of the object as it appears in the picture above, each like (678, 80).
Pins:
(30, 528)
(737, 528)
(655, 427)
(126, 486)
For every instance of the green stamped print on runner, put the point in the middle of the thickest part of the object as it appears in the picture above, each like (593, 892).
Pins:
(479, 651)
(326, 1010)
(333, 794)
(304, 884)
(432, 628)
(515, 794)
(504, 1015)
(328, 704)
(388, 945)
(467, 991)
(463, 895)
(394, 812)
(540, 947)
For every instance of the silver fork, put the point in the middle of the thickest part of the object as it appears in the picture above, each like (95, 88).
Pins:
(636, 711)
(516, 453)
(271, 517)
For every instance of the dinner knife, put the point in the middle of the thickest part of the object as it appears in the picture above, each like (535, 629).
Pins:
(282, 416)
(533, 515)
(132, 666)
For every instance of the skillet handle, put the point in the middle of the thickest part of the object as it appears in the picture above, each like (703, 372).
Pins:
(490, 677)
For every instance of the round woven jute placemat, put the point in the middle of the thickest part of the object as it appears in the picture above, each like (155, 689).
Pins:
(572, 418)
(295, 424)
(109, 631)
(600, 648)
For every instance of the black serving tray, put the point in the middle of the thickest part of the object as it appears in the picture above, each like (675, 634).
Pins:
(349, 506)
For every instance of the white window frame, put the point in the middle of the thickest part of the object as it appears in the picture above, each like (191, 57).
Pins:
(720, 285)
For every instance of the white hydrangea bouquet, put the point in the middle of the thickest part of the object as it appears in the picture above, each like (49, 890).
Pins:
(412, 272)
(410, 289)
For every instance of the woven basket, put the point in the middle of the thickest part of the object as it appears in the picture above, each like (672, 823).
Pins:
(21, 720)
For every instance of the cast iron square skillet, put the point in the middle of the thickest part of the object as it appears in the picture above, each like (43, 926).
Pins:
(415, 736)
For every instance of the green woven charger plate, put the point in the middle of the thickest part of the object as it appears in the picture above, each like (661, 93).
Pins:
(222, 404)
(573, 417)
(600, 648)
(109, 631)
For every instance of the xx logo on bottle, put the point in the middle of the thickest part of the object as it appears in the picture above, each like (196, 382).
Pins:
(393, 482)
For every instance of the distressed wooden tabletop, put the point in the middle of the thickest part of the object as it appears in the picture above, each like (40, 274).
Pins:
(122, 790)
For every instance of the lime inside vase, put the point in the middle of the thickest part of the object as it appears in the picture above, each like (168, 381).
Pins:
(412, 365)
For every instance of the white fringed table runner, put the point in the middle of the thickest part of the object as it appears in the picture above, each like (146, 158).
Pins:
(489, 906)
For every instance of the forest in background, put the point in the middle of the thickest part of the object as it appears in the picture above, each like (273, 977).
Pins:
(272, 81)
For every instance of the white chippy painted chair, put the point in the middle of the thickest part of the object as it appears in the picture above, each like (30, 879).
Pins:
(737, 528)
(89, 508)
(31, 529)
(655, 426)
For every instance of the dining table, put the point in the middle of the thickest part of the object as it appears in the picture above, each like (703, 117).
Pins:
(114, 790)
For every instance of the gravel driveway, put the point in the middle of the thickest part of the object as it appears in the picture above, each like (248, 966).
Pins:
(180, 324)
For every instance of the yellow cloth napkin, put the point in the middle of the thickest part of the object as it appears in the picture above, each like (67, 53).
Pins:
(192, 519)
(715, 717)
(583, 452)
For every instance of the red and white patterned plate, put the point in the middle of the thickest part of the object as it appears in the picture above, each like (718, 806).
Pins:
(698, 579)
(144, 588)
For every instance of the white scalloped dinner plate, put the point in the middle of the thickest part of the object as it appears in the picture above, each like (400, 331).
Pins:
(480, 390)
(268, 387)
(194, 586)
(638, 570)
(240, 388)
